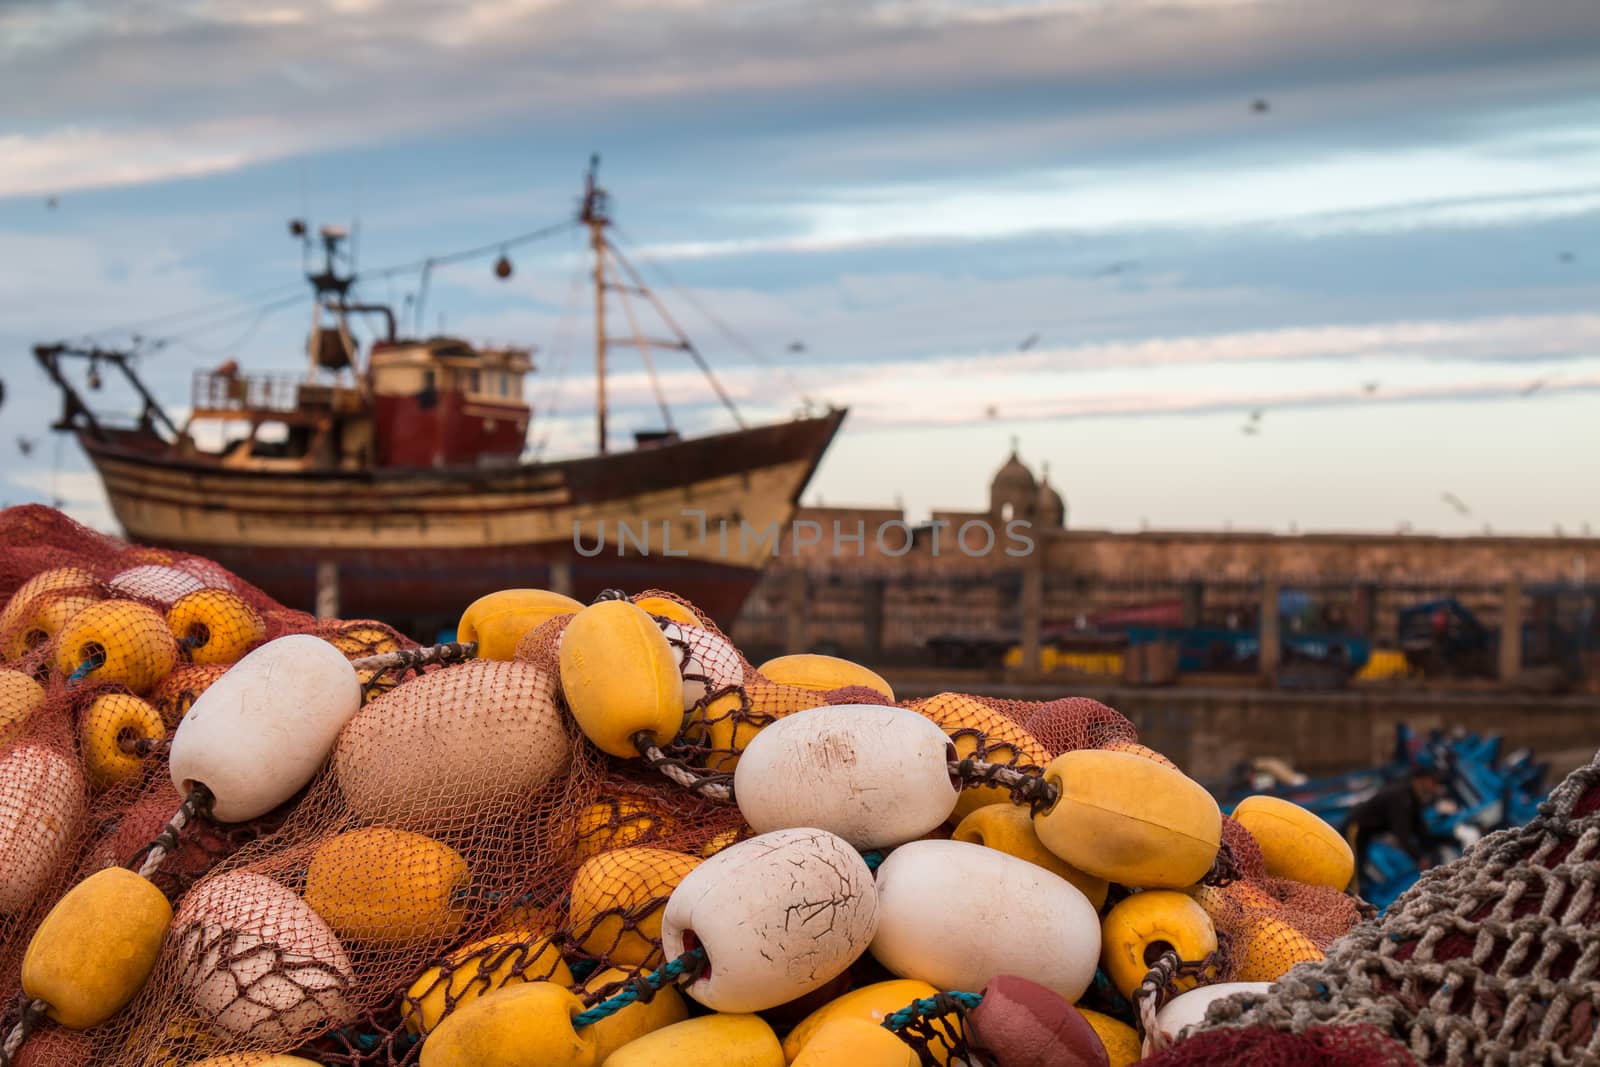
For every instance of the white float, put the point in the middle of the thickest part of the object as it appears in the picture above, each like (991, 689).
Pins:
(955, 915)
(41, 812)
(153, 582)
(259, 733)
(257, 962)
(779, 916)
(1189, 1008)
(710, 657)
(877, 776)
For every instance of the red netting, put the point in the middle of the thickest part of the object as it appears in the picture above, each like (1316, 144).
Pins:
(1325, 1046)
(461, 837)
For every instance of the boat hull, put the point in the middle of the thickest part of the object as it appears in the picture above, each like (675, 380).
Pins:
(413, 547)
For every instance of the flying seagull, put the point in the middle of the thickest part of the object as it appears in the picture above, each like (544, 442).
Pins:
(797, 346)
(1260, 106)
(25, 446)
(1369, 387)
(1028, 342)
(1457, 503)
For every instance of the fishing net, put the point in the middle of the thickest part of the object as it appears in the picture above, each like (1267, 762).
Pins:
(1489, 960)
(1319, 1046)
(462, 836)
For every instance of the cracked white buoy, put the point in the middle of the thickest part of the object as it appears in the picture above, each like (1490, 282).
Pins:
(877, 776)
(956, 915)
(779, 916)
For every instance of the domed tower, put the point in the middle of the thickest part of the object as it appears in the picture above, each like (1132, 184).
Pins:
(1049, 510)
(1013, 492)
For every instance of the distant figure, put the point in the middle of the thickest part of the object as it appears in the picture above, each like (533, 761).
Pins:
(50, 203)
(1260, 107)
(1397, 811)
(230, 369)
(25, 446)
(1028, 342)
(797, 346)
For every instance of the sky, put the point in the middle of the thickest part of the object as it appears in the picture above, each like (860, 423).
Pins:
(1369, 302)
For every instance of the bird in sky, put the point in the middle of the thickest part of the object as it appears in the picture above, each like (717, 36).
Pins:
(1260, 106)
(991, 412)
(1118, 267)
(1028, 342)
(1534, 386)
(25, 446)
(1369, 387)
(1457, 503)
(797, 346)
(51, 203)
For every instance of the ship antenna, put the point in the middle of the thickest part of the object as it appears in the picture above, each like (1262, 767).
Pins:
(595, 214)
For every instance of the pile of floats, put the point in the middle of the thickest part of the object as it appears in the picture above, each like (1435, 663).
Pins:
(996, 895)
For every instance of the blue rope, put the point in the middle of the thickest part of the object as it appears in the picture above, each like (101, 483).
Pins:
(85, 668)
(670, 973)
(898, 1020)
(873, 859)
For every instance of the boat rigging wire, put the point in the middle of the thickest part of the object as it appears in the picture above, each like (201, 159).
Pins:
(737, 339)
(298, 286)
(683, 338)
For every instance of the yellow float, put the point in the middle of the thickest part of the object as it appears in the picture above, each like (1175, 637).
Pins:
(497, 622)
(617, 901)
(508, 959)
(129, 642)
(1009, 828)
(1139, 929)
(705, 1041)
(620, 677)
(808, 670)
(215, 626)
(516, 1027)
(1129, 820)
(388, 887)
(101, 730)
(980, 731)
(635, 1020)
(1296, 843)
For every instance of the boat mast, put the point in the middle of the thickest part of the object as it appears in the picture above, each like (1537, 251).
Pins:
(594, 215)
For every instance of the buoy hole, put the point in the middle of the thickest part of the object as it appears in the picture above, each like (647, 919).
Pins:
(952, 756)
(34, 638)
(199, 635)
(93, 653)
(691, 941)
(1155, 950)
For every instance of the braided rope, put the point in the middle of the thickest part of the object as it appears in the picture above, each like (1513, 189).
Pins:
(86, 668)
(712, 786)
(1029, 789)
(643, 988)
(1492, 959)
(1161, 983)
(143, 746)
(31, 1012)
(166, 842)
(931, 1007)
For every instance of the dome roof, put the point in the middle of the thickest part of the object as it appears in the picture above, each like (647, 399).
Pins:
(1049, 509)
(1013, 477)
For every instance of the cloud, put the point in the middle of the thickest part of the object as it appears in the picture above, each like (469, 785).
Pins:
(144, 80)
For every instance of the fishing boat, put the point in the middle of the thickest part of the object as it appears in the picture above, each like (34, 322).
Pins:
(395, 484)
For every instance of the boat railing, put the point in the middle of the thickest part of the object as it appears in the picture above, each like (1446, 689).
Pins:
(286, 393)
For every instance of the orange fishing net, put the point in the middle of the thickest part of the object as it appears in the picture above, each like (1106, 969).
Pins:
(462, 835)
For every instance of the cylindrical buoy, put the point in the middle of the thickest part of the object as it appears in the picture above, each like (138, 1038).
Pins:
(478, 970)
(1141, 928)
(20, 697)
(618, 898)
(215, 626)
(378, 886)
(1266, 948)
(809, 670)
(498, 621)
(995, 914)
(481, 734)
(259, 733)
(1009, 828)
(1120, 1040)
(1129, 820)
(620, 677)
(877, 776)
(778, 916)
(93, 952)
(847, 1042)
(721, 1040)
(126, 641)
(256, 962)
(1296, 843)
(41, 810)
(525, 1024)
(871, 1003)
(103, 725)
(637, 1019)
(1189, 1008)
